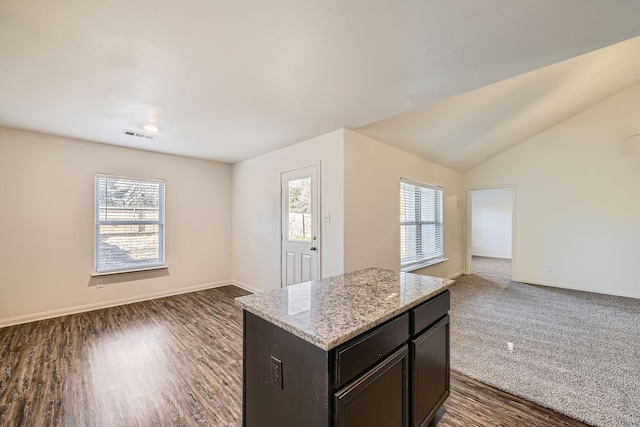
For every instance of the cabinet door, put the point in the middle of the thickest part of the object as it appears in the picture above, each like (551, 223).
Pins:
(379, 397)
(430, 367)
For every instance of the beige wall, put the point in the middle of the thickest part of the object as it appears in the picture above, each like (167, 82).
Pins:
(372, 205)
(491, 222)
(47, 239)
(577, 199)
(575, 190)
(256, 209)
(46, 224)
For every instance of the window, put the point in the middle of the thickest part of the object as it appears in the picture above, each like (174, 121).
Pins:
(299, 212)
(129, 221)
(421, 242)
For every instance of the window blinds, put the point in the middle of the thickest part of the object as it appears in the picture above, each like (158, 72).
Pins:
(129, 224)
(421, 236)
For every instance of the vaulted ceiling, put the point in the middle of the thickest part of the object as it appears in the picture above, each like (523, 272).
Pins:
(463, 131)
(451, 80)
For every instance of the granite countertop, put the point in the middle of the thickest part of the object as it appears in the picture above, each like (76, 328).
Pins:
(331, 311)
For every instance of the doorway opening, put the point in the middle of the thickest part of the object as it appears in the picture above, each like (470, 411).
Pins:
(490, 246)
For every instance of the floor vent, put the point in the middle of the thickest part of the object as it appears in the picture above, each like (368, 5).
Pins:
(138, 134)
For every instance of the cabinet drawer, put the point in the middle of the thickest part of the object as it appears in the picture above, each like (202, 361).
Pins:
(428, 312)
(379, 397)
(356, 356)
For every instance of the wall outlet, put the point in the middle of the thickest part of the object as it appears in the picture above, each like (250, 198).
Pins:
(276, 373)
(326, 217)
(548, 267)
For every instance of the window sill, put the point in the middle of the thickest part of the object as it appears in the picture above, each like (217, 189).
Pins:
(421, 264)
(133, 270)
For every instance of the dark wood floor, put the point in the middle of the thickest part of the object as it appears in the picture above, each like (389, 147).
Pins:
(172, 362)
(473, 403)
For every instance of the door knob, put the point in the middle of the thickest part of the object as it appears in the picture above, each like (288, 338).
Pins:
(313, 248)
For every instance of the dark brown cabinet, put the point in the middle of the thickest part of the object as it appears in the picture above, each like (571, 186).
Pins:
(378, 398)
(430, 372)
(394, 375)
(354, 357)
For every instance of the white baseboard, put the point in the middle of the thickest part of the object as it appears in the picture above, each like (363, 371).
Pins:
(454, 276)
(105, 304)
(490, 256)
(577, 288)
(246, 287)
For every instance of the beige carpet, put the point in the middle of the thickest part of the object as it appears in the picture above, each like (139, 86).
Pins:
(575, 352)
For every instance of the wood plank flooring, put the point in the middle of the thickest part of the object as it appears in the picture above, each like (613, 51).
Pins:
(174, 361)
(472, 403)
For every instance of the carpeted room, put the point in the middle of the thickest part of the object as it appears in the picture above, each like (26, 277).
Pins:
(575, 352)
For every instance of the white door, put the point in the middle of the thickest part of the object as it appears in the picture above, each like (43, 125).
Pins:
(300, 226)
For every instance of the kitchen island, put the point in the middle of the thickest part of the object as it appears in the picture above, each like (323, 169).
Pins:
(361, 349)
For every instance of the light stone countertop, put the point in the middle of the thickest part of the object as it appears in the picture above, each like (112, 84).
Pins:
(331, 311)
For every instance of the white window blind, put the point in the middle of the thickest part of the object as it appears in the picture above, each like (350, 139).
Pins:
(129, 224)
(421, 236)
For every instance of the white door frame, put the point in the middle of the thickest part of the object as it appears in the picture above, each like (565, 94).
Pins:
(467, 266)
(318, 224)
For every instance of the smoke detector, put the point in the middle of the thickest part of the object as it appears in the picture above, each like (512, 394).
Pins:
(138, 134)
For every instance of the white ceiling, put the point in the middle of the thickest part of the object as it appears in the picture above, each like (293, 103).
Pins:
(229, 80)
(463, 131)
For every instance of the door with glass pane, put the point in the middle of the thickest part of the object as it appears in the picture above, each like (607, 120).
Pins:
(300, 227)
